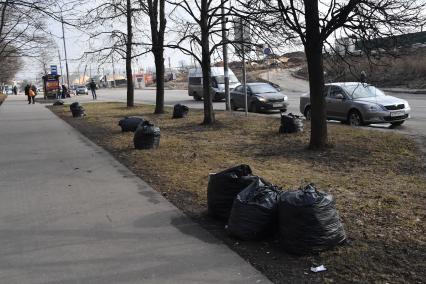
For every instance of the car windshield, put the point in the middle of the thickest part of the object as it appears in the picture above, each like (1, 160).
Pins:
(221, 79)
(262, 88)
(363, 91)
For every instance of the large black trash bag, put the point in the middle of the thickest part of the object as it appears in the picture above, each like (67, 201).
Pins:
(223, 187)
(291, 123)
(309, 221)
(58, 103)
(147, 136)
(77, 110)
(180, 111)
(255, 212)
(130, 123)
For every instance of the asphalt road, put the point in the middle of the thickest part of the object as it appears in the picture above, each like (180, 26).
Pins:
(415, 125)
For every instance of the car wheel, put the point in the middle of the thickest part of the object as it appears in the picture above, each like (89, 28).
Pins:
(308, 113)
(397, 123)
(197, 97)
(233, 106)
(355, 118)
(253, 107)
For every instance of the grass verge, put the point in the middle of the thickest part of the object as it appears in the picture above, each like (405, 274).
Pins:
(2, 98)
(376, 177)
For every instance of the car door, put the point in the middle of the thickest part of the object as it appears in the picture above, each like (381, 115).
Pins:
(236, 96)
(336, 101)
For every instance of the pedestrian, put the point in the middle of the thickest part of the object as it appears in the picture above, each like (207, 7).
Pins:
(64, 92)
(15, 90)
(27, 91)
(32, 92)
(92, 87)
(59, 93)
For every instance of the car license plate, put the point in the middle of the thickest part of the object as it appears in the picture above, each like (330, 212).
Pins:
(277, 105)
(397, 113)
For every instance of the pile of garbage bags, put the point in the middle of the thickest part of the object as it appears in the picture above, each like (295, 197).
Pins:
(77, 110)
(180, 111)
(58, 103)
(306, 220)
(147, 136)
(291, 123)
(130, 123)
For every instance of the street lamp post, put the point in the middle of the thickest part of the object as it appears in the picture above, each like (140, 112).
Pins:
(65, 50)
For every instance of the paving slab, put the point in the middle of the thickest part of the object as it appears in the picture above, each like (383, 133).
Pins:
(70, 213)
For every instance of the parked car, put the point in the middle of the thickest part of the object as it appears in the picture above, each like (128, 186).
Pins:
(260, 96)
(81, 90)
(359, 104)
(195, 83)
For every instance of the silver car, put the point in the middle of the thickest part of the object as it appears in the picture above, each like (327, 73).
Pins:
(359, 104)
(81, 90)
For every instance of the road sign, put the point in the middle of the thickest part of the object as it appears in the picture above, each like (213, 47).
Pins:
(54, 69)
(267, 51)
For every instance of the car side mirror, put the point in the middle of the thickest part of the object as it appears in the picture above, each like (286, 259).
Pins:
(340, 97)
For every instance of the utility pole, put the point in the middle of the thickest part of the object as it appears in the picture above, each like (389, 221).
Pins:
(225, 57)
(65, 50)
(113, 71)
(60, 64)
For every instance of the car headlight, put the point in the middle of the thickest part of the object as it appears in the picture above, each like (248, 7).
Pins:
(262, 99)
(285, 98)
(375, 107)
(407, 106)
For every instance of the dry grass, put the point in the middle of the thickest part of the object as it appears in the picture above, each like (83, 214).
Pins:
(376, 177)
(2, 98)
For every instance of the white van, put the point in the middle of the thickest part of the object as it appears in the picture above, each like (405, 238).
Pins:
(195, 83)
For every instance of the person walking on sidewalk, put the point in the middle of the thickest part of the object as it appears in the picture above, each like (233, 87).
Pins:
(27, 91)
(32, 92)
(92, 87)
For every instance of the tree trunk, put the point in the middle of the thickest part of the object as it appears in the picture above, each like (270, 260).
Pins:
(205, 65)
(313, 50)
(129, 73)
(159, 71)
(158, 26)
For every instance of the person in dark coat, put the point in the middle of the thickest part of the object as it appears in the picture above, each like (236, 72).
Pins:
(64, 92)
(32, 92)
(15, 90)
(92, 87)
(27, 92)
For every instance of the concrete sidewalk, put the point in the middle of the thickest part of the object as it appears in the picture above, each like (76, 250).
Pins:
(70, 213)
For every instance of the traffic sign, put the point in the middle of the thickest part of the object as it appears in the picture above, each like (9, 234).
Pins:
(54, 69)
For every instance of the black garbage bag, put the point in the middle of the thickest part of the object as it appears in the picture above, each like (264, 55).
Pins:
(58, 103)
(254, 212)
(74, 105)
(147, 136)
(223, 187)
(131, 123)
(309, 221)
(291, 123)
(180, 111)
(77, 110)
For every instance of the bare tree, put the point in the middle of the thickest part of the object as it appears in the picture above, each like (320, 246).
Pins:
(22, 30)
(155, 9)
(113, 24)
(314, 22)
(199, 35)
